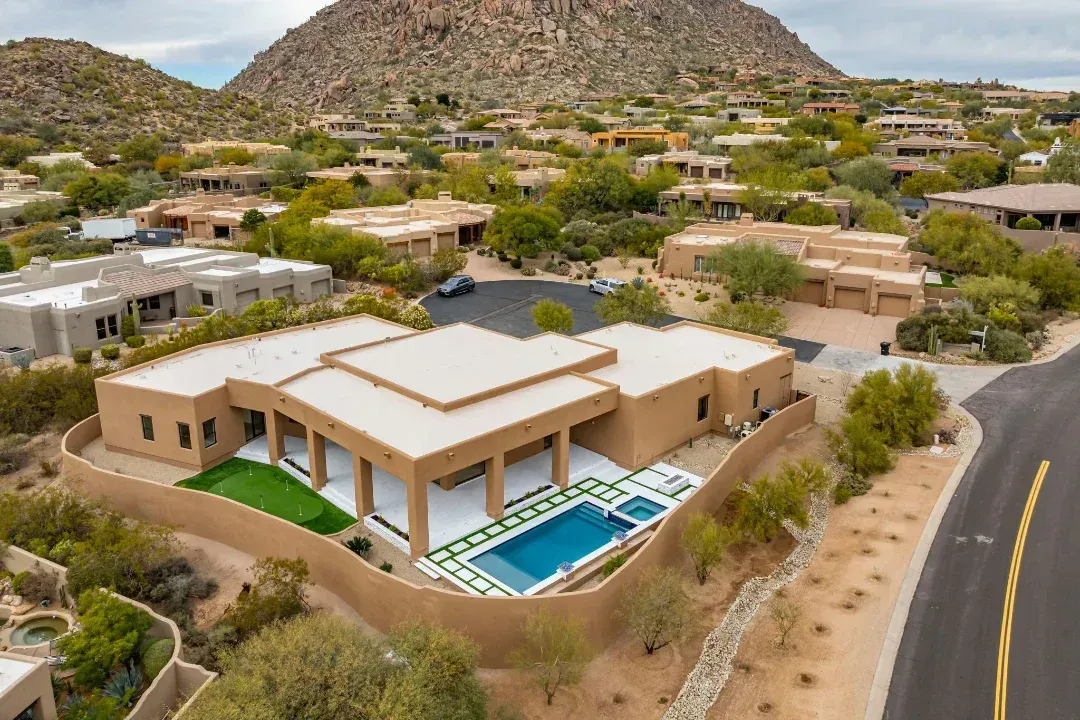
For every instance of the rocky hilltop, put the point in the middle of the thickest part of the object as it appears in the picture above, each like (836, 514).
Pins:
(86, 94)
(353, 50)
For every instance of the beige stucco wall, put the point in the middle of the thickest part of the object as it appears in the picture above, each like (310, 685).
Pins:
(384, 599)
(33, 689)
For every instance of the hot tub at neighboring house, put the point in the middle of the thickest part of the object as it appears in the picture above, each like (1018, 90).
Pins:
(37, 629)
(641, 508)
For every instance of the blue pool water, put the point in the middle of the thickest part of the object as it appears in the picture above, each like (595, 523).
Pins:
(536, 554)
(641, 508)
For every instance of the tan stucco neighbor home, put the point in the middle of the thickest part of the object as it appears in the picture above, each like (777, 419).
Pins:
(202, 216)
(849, 269)
(25, 688)
(385, 416)
(236, 179)
(1056, 206)
(722, 201)
(54, 307)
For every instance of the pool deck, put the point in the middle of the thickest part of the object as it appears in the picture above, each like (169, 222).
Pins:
(451, 561)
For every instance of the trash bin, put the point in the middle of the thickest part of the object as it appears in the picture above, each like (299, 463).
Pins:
(885, 348)
(767, 413)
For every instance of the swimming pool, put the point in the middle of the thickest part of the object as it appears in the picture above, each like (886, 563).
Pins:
(641, 509)
(535, 555)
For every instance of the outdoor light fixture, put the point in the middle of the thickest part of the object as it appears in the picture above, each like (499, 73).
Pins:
(655, 397)
(528, 426)
(449, 456)
(281, 398)
(329, 424)
(386, 455)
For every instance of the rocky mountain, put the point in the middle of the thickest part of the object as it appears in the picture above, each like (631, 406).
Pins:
(77, 93)
(353, 50)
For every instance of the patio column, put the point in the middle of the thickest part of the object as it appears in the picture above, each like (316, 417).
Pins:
(316, 447)
(416, 498)
(1057, 222)
(560, 458)
(275, 435)
(365, 497)
(494, 477)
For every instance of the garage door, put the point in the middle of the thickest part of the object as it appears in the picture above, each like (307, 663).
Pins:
(243, 299)
(893, 305)
(811, 292)
(320, 288)
(421, 248)
(849, 299)
(283, 291)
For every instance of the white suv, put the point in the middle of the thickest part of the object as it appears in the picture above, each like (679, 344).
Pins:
(605, 285)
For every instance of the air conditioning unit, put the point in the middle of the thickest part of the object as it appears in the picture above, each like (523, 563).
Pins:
(673, 484)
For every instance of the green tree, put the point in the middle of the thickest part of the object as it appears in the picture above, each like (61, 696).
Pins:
(98, 191)
(331, 194)
(15, 149)
(860, 448)
(1064, 166)
(811, 215)
(39, 211)
(645, 147)
(883, 220)
(975, 170)
(868, 174)
(763, 507)
(590, 125)
(292, 168)
(553, 316)
(985, 292)
(591, 186)
(279, 591)
(251, 220)
(111, 632)
(555, 652)
(901, 404)
(120, 554)
(769, 192)
(425, 157)
(968, 243)
(7, 261)
(1054, 274)
(705, 541)
(235, 156)
(387, 197)
(751, 267)
(141, 148)
(629, 304)
(748, 317)
(656, 608)
(921, 184)
(513, 227)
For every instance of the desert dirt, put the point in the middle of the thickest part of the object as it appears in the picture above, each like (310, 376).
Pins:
(847, 597)
(623, 682)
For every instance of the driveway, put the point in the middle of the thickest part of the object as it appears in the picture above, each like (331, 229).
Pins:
(505, 306)
(833, 326)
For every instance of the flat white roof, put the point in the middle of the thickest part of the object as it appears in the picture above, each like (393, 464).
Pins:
(61, 296)
(152, 256)
(269, 360)
(13, 670)
(459, 361)
(405, 424)
(649, 358)
(270, 265)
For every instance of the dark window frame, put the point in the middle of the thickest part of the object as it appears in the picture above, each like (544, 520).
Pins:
(703, 407)
(185, 435)
(99, 324)
(203, 294)
(757, 393)
(114, 328)
(209, 435)
(147, 427)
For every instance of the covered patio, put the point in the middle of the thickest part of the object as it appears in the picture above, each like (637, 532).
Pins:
(451, 513)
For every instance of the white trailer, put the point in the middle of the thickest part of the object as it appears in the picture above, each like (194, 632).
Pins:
(115, 229)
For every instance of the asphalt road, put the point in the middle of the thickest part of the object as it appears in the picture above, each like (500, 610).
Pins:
(948, 663)
(506, 305)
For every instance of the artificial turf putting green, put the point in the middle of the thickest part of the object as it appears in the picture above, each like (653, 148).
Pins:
(267, 488)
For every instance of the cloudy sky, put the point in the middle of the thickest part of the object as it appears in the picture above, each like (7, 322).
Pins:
(209, 41)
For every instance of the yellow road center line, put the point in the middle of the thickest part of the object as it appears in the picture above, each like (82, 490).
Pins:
(1004, 642)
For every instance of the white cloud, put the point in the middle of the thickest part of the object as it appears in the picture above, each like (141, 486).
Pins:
(1012, 40)
(221, 34)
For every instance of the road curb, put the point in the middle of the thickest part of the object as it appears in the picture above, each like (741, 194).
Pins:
(879, 691)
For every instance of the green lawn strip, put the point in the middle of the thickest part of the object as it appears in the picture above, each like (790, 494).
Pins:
(946, 281)
(273, 491)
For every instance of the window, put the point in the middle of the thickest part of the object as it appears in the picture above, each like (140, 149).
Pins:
(209, 431)
(699, 263)
(155, 302)
(254, 424)
(185, 435)
(703, 408)
(113, 332)
(756, 393)
(100, 323)
(207, 298)
(147, 427)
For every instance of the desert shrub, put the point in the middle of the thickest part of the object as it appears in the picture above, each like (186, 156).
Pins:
(1028, 223)
(954, 324)
(572, 253)
(56, 395)
(701, 297)
(657, 608)
(127, 326)
(1036, 339)
(555, 651)
(748, 317)
(705, 541)
(135, 341)
(1006, 346)
(613, 563)
(359, 545)
(82, 355)
(590, 253)
(111, 632)
(156, 657)
(516, 263)
(900, 404)
(860, 450)
(763, 507)
(387, 567)
(279, 591)
(110, 351)
(35, 585)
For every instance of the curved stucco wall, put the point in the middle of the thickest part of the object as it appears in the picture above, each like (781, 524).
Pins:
(383, 599)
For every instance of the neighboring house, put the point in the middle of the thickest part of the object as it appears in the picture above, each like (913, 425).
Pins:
(379, 177)
(419, 414)
(534, 183)
(26, 691)
(12, 203)
(896, 125)
(527, 159)
(392, 112)
(201, 216)
(464, 139)
(210, 147)
(239, 180)
(13, 180)
(369, 157)
(901, 110)
(752, 101)
(53, 158)
(726, 142)
(344, 127)
(829, 108)
(854, 270)
(54, 307)
(420, 227)
(765, 125)
(1014, 114)
(918, 146)
(688, 163)
(1058, 119)
(698, 103)
(577, 138)
(623, 138)
(720, 201)
(1056, 206)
